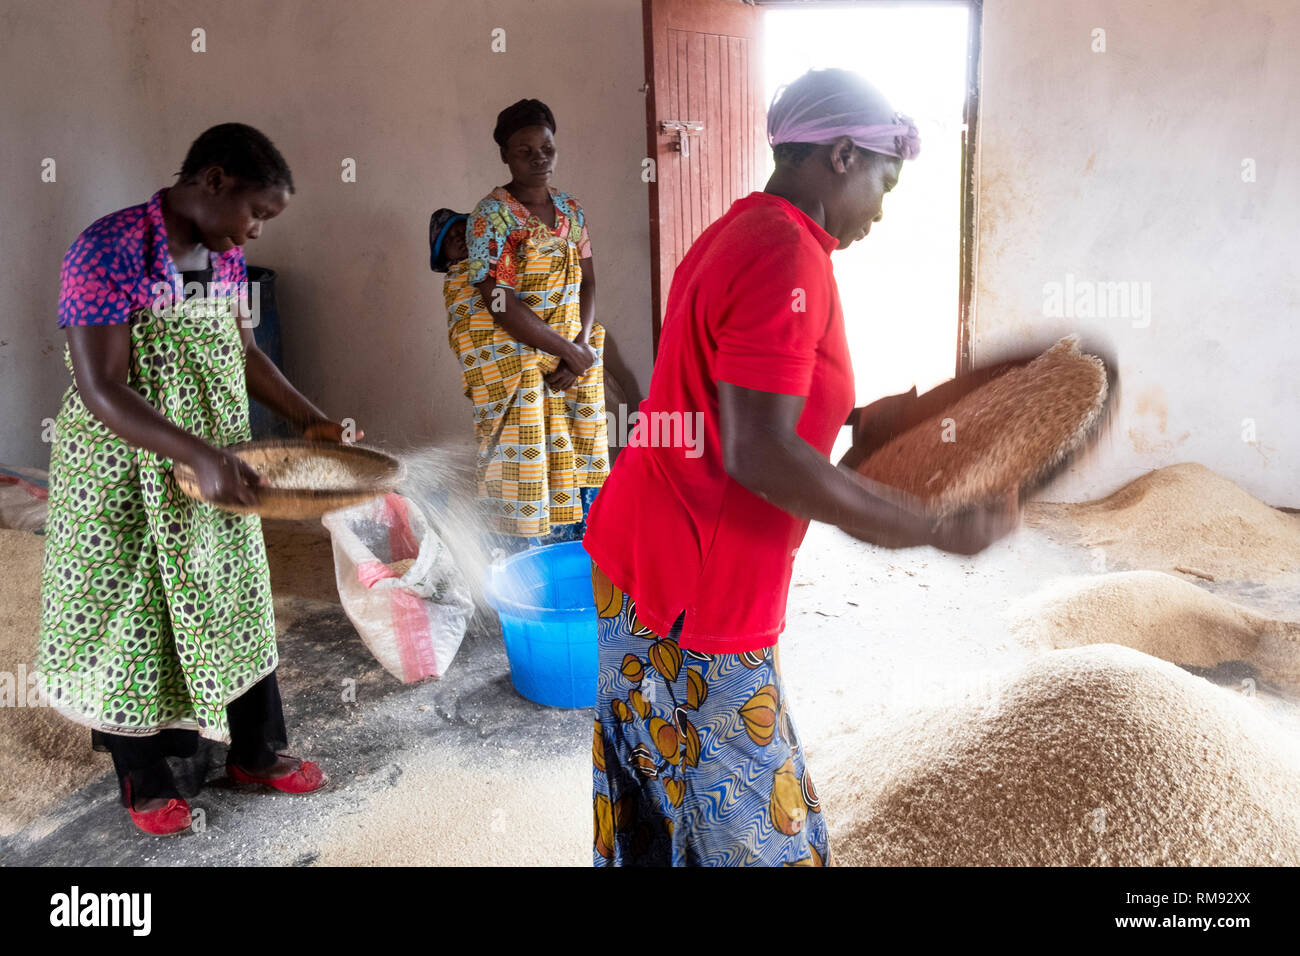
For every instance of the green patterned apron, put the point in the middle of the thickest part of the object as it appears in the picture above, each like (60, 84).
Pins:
(156, 609)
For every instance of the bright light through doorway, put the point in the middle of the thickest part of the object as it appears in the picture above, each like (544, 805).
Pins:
(899, 286)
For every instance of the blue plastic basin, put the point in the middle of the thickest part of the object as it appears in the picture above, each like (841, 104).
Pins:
(548, 618)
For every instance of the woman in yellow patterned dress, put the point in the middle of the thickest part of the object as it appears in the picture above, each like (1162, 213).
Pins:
(522, 308)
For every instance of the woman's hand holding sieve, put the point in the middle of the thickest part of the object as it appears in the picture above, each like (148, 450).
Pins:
(226, 479)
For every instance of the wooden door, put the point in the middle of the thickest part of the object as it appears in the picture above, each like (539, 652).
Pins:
(705, 119)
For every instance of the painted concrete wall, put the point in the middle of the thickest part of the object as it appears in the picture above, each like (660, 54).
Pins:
(1127, 166)
(1122, 166)
(409, 88)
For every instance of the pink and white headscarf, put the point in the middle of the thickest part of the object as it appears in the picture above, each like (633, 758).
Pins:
(804, 112)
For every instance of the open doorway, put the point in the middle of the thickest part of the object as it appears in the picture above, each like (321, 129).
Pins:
(901, 287)
(712, 67)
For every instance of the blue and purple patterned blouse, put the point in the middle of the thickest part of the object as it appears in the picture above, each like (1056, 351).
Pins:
(121, 264)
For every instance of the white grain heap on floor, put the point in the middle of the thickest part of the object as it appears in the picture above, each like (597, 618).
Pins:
(1093, 756)
(43, 757)
(1184, 515)
(1164, 616)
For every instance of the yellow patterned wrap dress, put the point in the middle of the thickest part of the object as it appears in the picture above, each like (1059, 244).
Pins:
(537, 447)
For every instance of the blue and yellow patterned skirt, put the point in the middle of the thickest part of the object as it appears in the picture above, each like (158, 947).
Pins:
(695, 757)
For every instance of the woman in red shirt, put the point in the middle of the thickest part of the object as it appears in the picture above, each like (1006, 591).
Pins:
(693, 538)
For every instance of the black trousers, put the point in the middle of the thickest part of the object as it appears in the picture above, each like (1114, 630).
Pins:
(175, 763)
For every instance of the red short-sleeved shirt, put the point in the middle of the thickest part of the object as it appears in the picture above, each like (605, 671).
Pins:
(754, 304)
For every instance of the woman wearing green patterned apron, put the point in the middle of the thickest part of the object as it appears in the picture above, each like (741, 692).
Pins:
(157, 623)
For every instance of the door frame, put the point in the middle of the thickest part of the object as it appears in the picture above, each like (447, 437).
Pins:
(731, 14)
(968, 245)
(969, 189)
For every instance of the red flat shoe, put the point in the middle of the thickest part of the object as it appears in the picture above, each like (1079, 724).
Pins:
(307, 778)
(170, 820)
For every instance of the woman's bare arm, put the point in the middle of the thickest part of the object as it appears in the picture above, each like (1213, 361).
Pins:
(523, 324)
(587, 297)
(763, 451)
(564, 377)
(268, 385)
(101, 359)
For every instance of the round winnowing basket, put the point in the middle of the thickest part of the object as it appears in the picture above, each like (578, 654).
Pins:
(1008, 432)
(376, 474)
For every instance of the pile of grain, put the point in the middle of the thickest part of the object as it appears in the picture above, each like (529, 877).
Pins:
(479, 807)
(312, 473)
(1163, 616)
(1183, 516)
(1004, 435)
(43, 757)
(1093, 756)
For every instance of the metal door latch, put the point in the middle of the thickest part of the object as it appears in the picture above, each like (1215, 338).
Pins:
(682, 128)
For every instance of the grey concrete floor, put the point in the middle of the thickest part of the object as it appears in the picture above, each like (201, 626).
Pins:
(363, 746)
(869, 633)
